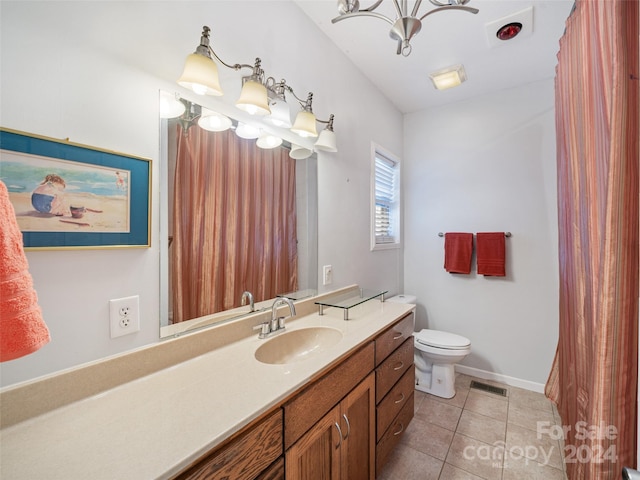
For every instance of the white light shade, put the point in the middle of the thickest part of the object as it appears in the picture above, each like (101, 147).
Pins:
(266, 140)
(299, 153)
(326, 141)
(244, 130)
(214, 121)
(280, 114)
(449, 77)
(170, 106)
(253, 98)
(201, 75)
(305, 124)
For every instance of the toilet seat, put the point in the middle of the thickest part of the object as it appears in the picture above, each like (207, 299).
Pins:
(443, 340)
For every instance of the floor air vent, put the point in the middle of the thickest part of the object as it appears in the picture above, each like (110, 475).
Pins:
(489, 388)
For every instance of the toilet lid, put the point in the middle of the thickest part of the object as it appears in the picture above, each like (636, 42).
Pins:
(436, 338)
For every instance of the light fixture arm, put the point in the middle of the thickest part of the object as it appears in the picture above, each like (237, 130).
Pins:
(404, 26)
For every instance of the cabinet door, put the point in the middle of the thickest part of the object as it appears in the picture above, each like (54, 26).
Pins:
(358, 429)
(316, 456)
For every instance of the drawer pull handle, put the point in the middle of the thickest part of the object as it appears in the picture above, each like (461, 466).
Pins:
(348, 426)
(397, 336)
(339, 435)
(399, 431)
(399, 366)
(401, 398)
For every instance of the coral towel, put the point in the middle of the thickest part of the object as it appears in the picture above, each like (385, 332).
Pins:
(490, 254)
(22, 330)
(458, 248)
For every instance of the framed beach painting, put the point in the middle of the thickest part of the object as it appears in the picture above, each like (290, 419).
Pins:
(67, 195)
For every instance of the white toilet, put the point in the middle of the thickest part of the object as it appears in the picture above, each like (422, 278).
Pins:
(435, 354)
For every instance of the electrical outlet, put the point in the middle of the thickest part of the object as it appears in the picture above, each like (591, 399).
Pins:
(124, 316)
(327, 274)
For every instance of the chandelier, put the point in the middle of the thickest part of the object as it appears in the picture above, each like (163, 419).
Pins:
(405, 26)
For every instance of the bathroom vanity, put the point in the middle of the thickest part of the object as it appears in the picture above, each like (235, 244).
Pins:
(223, 413)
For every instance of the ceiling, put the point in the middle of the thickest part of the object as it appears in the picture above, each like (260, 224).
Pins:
(448, 38)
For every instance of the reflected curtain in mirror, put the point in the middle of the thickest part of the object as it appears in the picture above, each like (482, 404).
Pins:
(234, 223)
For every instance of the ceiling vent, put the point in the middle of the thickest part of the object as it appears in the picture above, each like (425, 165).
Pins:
(523, 17)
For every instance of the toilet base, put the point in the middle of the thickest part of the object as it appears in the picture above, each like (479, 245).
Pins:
(438, 381)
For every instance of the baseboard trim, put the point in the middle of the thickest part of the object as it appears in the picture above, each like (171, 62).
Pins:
(498, 377)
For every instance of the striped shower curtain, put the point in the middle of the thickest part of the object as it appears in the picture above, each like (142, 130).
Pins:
(594, 378)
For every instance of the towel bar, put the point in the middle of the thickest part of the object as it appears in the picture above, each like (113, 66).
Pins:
(506, 234)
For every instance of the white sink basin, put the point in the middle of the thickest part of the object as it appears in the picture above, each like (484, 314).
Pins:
(297, 345)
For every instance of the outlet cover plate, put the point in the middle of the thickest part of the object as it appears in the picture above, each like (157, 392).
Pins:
(124, 316)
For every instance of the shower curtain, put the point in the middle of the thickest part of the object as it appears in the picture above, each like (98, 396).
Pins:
(594, 377)
(234, 223)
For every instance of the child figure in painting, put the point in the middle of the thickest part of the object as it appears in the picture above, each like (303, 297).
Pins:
(48, 196)
(119, 181)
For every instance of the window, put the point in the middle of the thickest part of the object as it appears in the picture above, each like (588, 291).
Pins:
(385, 192)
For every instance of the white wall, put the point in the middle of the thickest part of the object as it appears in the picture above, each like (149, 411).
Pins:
(487, 165)
(91, 71)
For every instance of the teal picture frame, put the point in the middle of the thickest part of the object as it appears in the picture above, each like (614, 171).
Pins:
(102, 198)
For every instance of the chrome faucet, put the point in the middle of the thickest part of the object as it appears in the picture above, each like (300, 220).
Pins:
(243, 301)
(276, 323)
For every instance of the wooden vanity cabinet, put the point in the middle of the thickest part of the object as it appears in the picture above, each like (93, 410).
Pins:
(395, 383)
(255, 454)
(341, 443)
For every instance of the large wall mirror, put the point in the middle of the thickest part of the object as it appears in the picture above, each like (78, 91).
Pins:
(236, 218)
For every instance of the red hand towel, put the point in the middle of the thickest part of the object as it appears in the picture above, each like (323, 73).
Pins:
(490, 254)
(457, 252)
(22, 330)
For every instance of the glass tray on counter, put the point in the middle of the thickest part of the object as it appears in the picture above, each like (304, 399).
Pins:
(349, 300)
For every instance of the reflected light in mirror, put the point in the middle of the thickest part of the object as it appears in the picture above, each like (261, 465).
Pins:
(247, 131)
(214, 121)
(299, 153)
(266, 140)
(170, 106)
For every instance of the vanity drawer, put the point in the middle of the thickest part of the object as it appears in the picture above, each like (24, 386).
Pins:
(393, 337)
(394, 401)
(245, 457)
(393, 434)
(305, 409)
(390, 371)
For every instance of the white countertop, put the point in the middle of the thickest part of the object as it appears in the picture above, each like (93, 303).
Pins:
(155, 426)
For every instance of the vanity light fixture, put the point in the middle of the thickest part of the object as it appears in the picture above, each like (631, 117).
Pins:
(449, 77)
(260, 95)
(405, 26)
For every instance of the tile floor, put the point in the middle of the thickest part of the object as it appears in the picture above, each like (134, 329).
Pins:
(479, 435)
